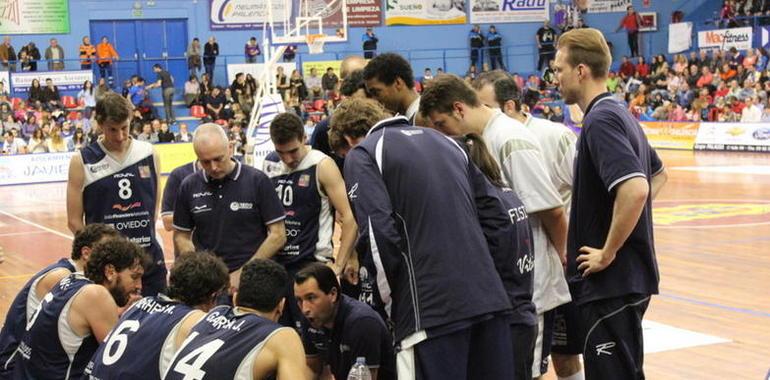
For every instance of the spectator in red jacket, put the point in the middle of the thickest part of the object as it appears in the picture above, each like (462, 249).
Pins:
(642, 68)
(626, 68)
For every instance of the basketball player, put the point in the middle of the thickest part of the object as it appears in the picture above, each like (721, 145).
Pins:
(506, 227)
(389, 79)
(28, 299)
(227, 208)
(145, 338)
(497, 89)
(170, 191)
(410, 188)
(77, 314)
(611, 262)
(341, 328)
(454, 108)
(115, 181)
(245, 341)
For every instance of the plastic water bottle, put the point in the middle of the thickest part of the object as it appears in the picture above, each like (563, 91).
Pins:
(360, 371)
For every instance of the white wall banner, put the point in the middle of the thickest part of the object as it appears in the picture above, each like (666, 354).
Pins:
(64, 80)
(425, 12)
(34, 168)
(750, 137)
(498, 11)
(739, 38)
(679, 37)
(245, 14)
(604, 6)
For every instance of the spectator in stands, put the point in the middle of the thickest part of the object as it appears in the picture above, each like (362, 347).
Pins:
(238, 87)
(33, 53)
(55, 141)
(210, 53)
(476, 43)
(7, 55)
(54, 54)
(251, 50)
(290, 53)
(78, 140)
(206, 86)
(661, 67)
(631, 23)
(25, 62)
(9, 123)
(87, 54)
(314, 85)
(37, 142)
(35, 95)
(137, 93)
(165, 136)
(87, 97)
(105, 56)
(722, 90)
(762, 59)
(50, 98)
(5, 111)
(194, 60)
(215, 103)
(13, 144)
(369, 43)
(612, 81)
(298, 87)
(545, 38)
(29, 126)
(684, 95)
(427, 76)
(680, 64)
(183, 135)
(627, 68)
(727, 14)
(706, 78)
(166, 82)
(282, 83)
(494, 40)
(147, 134)
(192, 91)
(249, 91)
(692, 75)
(751, 113)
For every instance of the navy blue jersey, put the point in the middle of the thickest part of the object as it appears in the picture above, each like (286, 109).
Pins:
(19, 313)
(141, 344)
(436, 265)
(123, 196)
(172, 186)
(229, 216)
(309, 215)
(51, 349)
(612, 148)
(358, 332)
(222, 346)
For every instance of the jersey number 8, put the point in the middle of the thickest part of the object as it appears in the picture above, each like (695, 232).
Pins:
(124, 188)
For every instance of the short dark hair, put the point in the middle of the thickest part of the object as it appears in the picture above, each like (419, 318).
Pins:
(505, 87)
(443, 91)
(352, 83)
(196, 277)
(90, 235)
(287, 127)
(263, 284)
(387, 67)
(157, 66)
(120, 253)
(324, 275)
(112, 108)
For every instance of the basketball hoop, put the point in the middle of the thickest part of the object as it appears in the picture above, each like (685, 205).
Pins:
(315, 43)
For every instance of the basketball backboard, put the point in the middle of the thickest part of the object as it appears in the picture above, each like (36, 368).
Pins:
(326, 20)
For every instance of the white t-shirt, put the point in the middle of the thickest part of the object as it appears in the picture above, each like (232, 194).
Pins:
(13, 147)
(520, 157)
(558, 146)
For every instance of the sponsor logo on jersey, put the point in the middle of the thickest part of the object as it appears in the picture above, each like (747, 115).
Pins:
(120, 207)
(235, 206)
(199, 209)
(352, 193)
(144, 171)
(604, 348)
(98, 167)
(203, 194)
(412, 133)
(304, 180)
(123, 175)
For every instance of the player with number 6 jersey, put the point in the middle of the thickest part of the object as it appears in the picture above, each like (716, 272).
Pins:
(115, 181)
(146, 336)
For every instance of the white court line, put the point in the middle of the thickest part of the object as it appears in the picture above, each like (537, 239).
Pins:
(23, 233)
(33, 224)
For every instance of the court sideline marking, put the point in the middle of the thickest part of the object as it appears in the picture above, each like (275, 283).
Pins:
(33, 224)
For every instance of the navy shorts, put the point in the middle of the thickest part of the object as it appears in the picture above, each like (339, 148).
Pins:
(566, 330)
(480, 351)
(613, 347)
(523, 338)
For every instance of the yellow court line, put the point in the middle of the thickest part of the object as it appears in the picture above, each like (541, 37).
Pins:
(16, 276)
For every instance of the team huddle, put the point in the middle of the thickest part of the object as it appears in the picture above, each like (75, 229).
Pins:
(476, 241)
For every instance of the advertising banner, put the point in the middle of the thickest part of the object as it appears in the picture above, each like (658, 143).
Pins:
(748, 137)
(245, 14)
(670, 135)
(425, 12)
(34, 168)
(500, 11)
(604, 6)
(34, 17)
(173, 155)
(320, 67)
(724, 39)
(64, 80)
(364, 13)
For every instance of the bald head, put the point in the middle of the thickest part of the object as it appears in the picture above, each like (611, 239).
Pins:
(351, 64)
(211, 145)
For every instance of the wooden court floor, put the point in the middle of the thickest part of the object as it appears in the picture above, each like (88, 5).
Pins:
(712, 236)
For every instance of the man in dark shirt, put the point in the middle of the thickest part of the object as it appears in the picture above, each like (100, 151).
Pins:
(369, 43)
(329, 82)
(545, 38)
(341, 328)
(210, 53)
(627, 68)
(166, 82)
(215, 103)
(611, 263)
(232, 209)
(51, 98)
(476, 41)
